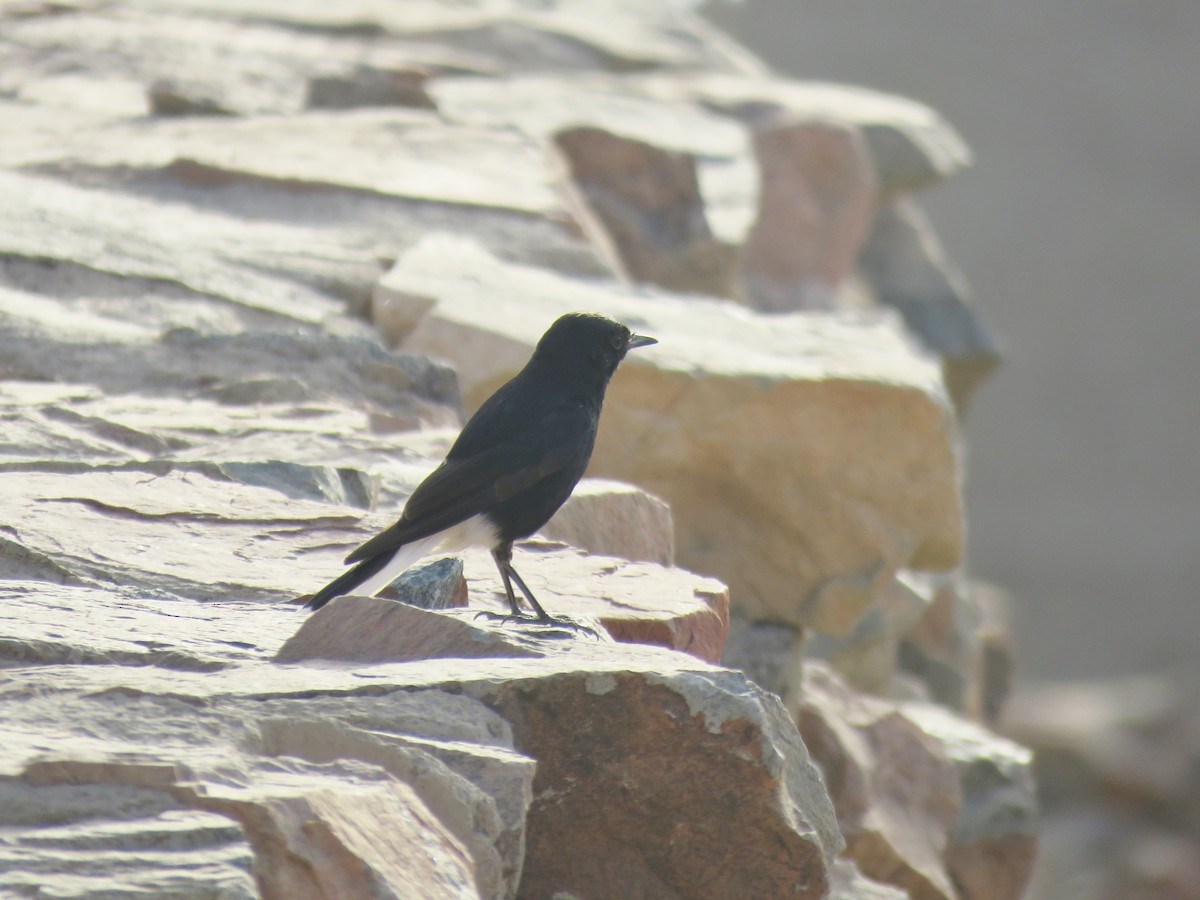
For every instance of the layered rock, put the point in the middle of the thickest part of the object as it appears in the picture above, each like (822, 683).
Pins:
(822, 449)
(199, 201)
(927, 802)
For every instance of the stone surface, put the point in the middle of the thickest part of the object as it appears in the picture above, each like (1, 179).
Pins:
(821, 448)
(633, 602)
(244, 68)
(369, 86)
(816, 202)
(992, 847)
(211, 742)
(847, 883)
(641, 206)
(897, 797)
(311, 826)
(771, 655)
(264, 272)
(617, 812)
(928, 801)
(371, 629)
(868, 657)
(612, 518)
(245, 370)
(911, 145)
(908, 270)
(432, 585)
(618, 35)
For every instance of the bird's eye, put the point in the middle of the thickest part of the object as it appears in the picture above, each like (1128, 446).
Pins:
(619, 340)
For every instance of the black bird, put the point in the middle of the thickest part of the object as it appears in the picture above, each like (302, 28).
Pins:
(514, 464)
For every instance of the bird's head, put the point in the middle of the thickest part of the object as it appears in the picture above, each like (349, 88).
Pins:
(593, 340)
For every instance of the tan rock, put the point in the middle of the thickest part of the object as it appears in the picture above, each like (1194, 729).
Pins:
(641, 207)
(897, 796)
(611, 518)
(816, 204)
(805, 458)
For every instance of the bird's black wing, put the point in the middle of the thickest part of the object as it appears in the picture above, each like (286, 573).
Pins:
(464, 486)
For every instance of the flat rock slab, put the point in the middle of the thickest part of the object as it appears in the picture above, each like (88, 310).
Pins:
(270, 272)
(240, 68)
(310, 451)
(133, 593)
(806, 458)
(640, 603)
(165, 530)
(648, 726)
(614, 35)
(912, 146)
(331, 798)
(352, 150)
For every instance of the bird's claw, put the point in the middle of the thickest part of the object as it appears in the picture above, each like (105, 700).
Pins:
(547, 622)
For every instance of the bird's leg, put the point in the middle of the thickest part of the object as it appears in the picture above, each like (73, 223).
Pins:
(503, 557)
(543, 616)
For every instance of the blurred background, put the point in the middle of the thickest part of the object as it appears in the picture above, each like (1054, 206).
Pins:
(1077, 229)
(1078, 232)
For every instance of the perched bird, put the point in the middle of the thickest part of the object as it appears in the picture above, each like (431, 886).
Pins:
(514, 464)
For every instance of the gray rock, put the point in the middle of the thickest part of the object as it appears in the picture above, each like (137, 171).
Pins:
(768, 652)
(369, 86)
(358, 373)
(267, 272)
(906, 267)
(991, 850)
(166, 530)
(435, 585)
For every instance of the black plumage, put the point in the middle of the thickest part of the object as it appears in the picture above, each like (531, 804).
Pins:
(514, 464)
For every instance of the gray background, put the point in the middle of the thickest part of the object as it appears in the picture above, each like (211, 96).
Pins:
(1078, 229)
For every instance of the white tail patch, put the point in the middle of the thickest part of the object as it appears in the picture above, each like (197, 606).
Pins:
(476, 531)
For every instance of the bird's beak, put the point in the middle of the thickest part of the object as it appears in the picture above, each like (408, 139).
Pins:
(639, 340)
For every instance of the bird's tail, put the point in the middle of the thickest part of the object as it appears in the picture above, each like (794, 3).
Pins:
(375, 573)
(349, 580)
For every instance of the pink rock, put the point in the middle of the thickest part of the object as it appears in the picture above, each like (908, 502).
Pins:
(817, 195)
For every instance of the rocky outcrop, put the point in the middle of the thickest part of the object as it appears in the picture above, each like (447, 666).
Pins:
(927, 802)
(215, 218)
(764, 434)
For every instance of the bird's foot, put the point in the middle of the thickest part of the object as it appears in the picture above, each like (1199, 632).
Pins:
(543, 621)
